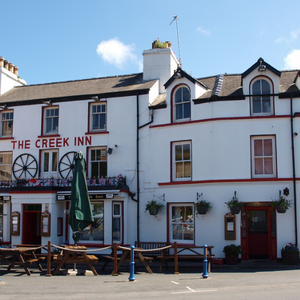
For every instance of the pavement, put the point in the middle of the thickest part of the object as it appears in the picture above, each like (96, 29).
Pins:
(258, 278)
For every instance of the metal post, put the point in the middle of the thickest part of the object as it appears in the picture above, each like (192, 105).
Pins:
(205, 273)
(131, 277)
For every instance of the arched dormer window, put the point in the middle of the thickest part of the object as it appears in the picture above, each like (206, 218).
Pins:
(262, 102)
(181, 104)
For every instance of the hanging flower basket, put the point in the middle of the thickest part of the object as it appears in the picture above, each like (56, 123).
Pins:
(282, 204)
(235, 210)
(280, 209)
(202, 210)
(153, 207)
(234, 205)
(202, 207)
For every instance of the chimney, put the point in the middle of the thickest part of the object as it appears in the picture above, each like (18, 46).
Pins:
(6, 62)
(16, 69)
(11, 67)
(160, 63)
(1, 61)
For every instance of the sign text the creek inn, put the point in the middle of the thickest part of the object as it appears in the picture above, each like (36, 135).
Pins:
(53, 142)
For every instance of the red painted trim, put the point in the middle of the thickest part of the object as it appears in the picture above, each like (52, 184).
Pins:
(97, 132)
(222, 119)
(89, 117)
(226, 181)
(7, 138)
(48, 136)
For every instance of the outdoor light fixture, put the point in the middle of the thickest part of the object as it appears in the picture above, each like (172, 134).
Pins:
(177, 75)
(96, 98)
(49, 103)
(286, 191)
(262, 68)
(3, 107)
(109, 150)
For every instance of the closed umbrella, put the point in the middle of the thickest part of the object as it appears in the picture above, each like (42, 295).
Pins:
(80, 215)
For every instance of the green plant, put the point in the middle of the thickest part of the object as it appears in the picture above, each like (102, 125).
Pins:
(232, 250)
(158, 44)
(282, 202)
(234, 202)
(290, 248)
(153, 207)
(202, 203)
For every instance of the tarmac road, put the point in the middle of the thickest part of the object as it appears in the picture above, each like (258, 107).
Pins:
(274, 284)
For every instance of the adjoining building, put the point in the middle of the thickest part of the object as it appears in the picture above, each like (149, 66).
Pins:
(159, 135)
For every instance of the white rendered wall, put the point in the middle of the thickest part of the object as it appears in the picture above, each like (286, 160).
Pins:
(8, 80)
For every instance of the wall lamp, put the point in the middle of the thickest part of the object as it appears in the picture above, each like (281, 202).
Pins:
(262, 68)
(3, 107)
(96, 98)
(109, 151)
(49, 102)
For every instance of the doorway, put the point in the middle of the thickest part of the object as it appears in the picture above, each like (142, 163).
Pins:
(31, 226)
(258, 233)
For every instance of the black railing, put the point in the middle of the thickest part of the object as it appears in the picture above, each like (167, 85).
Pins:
(109, 182)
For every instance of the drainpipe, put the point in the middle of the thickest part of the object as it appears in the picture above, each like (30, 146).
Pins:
(138, 127)
(294, 171)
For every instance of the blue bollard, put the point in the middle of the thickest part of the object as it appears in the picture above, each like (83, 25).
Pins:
(205, 273)
(131, 276)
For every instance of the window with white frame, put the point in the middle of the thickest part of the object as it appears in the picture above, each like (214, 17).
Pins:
(5, 166)
(7, 119)
(95, 231)
(182, 104)
(182, 161)
(51, 120)
(49, 163)
(98, 117)
(260, 104)
(117, 222)
(181, 223)
(263, 156)
(98, 162)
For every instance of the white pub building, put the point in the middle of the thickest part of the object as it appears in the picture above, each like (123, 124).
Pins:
(159, 135)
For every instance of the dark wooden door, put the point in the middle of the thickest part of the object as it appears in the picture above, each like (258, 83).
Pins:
(31, 231)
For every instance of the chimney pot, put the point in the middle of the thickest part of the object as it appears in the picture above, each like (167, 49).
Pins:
(11, 67)
(1, 61)
(16, 69)
(6, 62)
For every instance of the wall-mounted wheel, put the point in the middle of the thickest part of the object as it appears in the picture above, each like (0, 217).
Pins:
(25, 166)
(67, 164)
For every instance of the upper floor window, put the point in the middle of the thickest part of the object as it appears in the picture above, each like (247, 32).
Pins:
(182, 161)
(98, 162)
(51, 120)
(263, 156)
(261, 105)
(98, 117)
(5, 166)
(49, 163)
(7, 123)
(182, 104)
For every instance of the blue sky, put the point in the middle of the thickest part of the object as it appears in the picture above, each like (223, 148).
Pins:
(65, 40)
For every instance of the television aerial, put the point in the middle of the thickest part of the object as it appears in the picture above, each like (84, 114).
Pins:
(175, 17)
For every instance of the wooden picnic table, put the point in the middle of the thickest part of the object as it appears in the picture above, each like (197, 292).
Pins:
(21, 256)
(126, 257)
(74, 255)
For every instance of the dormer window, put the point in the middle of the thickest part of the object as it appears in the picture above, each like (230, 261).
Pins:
(182, 104)
(262, 101)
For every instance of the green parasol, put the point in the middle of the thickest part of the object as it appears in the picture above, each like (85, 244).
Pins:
(80, 215)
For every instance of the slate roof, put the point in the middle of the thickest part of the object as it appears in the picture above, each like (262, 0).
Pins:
(80, 89)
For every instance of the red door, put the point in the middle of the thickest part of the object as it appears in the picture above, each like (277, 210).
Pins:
(258, 234)
(31, 225)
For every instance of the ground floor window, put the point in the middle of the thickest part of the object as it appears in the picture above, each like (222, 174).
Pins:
(1, 221)
(117, 222)
(95, 231)
(181, 223)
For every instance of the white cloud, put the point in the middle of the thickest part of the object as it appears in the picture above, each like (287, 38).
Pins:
(203, 30)
(294, 34)
(292, 61)
(117, 53)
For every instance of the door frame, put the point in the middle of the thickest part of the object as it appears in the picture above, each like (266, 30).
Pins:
(272, 236)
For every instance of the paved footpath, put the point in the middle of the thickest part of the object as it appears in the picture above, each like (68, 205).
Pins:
(274, 284)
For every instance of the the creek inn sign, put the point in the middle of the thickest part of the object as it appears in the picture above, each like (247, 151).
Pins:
(159, 135)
